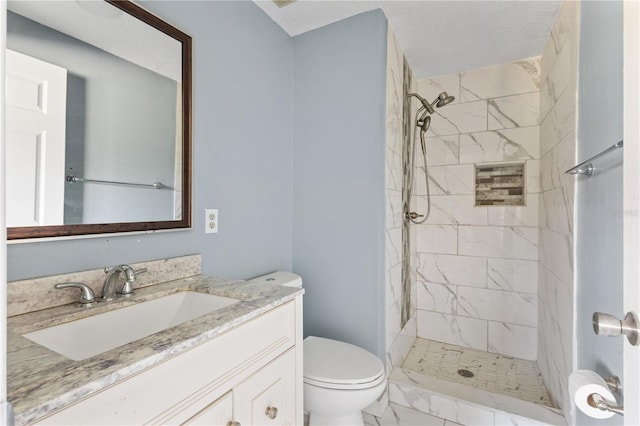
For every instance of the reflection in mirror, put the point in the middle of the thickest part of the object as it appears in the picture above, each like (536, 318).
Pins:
(98, 119)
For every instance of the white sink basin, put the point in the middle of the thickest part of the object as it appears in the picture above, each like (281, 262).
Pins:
(96, 334)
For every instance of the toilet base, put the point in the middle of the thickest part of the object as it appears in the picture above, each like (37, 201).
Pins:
(354, 419)
(339, 407)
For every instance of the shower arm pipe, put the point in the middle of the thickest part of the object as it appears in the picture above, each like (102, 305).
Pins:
(425, 104)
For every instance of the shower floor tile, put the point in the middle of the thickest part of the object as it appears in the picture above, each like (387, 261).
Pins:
(492, 372)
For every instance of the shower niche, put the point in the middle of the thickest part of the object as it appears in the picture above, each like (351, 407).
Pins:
(500, 184)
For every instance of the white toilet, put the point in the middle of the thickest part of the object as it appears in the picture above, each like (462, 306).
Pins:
(340, 379)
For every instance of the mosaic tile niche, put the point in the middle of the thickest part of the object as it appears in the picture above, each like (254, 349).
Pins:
(500, 185)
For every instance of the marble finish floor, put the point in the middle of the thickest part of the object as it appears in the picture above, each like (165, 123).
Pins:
(397, 415)
(495, 373)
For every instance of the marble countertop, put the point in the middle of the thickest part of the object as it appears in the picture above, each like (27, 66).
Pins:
(41, 381)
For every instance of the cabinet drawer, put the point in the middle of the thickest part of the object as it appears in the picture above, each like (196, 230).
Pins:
(175, 390)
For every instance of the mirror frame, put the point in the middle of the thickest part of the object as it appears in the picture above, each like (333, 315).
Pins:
(28, 232)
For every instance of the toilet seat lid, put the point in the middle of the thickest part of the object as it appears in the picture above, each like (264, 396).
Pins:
(333, 362)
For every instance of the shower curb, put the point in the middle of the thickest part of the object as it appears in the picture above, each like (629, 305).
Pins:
(464, 404)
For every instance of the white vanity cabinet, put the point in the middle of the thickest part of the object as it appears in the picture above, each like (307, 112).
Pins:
(265, 398)
(217, 413)
(249, 375)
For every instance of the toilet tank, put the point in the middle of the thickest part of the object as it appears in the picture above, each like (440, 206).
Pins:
(288, 279)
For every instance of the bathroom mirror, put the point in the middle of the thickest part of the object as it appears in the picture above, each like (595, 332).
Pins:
(98, 120)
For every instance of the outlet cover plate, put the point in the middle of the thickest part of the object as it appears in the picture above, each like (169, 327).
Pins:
(211, 220)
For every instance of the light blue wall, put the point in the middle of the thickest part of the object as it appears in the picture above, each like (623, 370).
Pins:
(599, 206)
(338, 207)
(330, 226)
(242, 154)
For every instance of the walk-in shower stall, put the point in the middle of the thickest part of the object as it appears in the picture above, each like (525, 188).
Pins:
(485, 299)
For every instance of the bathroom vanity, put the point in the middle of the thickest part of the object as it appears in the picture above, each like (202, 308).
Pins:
(238, 365)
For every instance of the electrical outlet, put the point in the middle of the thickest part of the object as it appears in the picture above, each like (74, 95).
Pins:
(211, 221)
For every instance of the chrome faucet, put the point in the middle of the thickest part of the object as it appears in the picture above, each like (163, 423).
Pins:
(109, 289)
(110, 282)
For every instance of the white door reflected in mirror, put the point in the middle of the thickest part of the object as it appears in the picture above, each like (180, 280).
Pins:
(36, 110)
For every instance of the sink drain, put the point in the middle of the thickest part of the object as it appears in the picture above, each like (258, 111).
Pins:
(465, 373)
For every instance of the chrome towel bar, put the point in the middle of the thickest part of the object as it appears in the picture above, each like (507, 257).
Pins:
(154, 185)
(586, 168)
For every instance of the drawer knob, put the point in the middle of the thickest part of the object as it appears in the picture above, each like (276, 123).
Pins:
(271, 412)
(232, 423)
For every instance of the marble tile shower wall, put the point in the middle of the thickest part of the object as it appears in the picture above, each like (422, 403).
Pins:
(398, 340)
(477, 266)
(558, 117)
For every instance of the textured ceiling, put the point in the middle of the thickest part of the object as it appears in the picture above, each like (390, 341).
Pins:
(439, 37)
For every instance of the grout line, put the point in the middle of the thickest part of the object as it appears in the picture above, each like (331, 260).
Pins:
(487, 115)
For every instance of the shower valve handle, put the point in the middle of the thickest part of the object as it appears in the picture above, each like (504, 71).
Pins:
(414, 215)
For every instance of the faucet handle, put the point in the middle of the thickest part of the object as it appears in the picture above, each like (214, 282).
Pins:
(87, 298)
(131, 275)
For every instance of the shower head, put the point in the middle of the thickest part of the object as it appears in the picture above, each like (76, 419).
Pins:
(444, 99)
(426, 105)
(427, 109)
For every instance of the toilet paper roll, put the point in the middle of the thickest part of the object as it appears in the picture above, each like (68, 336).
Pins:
(583, 383)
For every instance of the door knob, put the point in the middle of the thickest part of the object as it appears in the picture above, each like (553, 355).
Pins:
(608, 325)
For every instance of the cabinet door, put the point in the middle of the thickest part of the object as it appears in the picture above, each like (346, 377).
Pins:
(268, 396)
(218, 413)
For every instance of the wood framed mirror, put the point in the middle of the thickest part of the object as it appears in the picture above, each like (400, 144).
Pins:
(98, 120)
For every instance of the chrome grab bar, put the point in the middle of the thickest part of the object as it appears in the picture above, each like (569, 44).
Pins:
(586, 168)
(154, 185)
